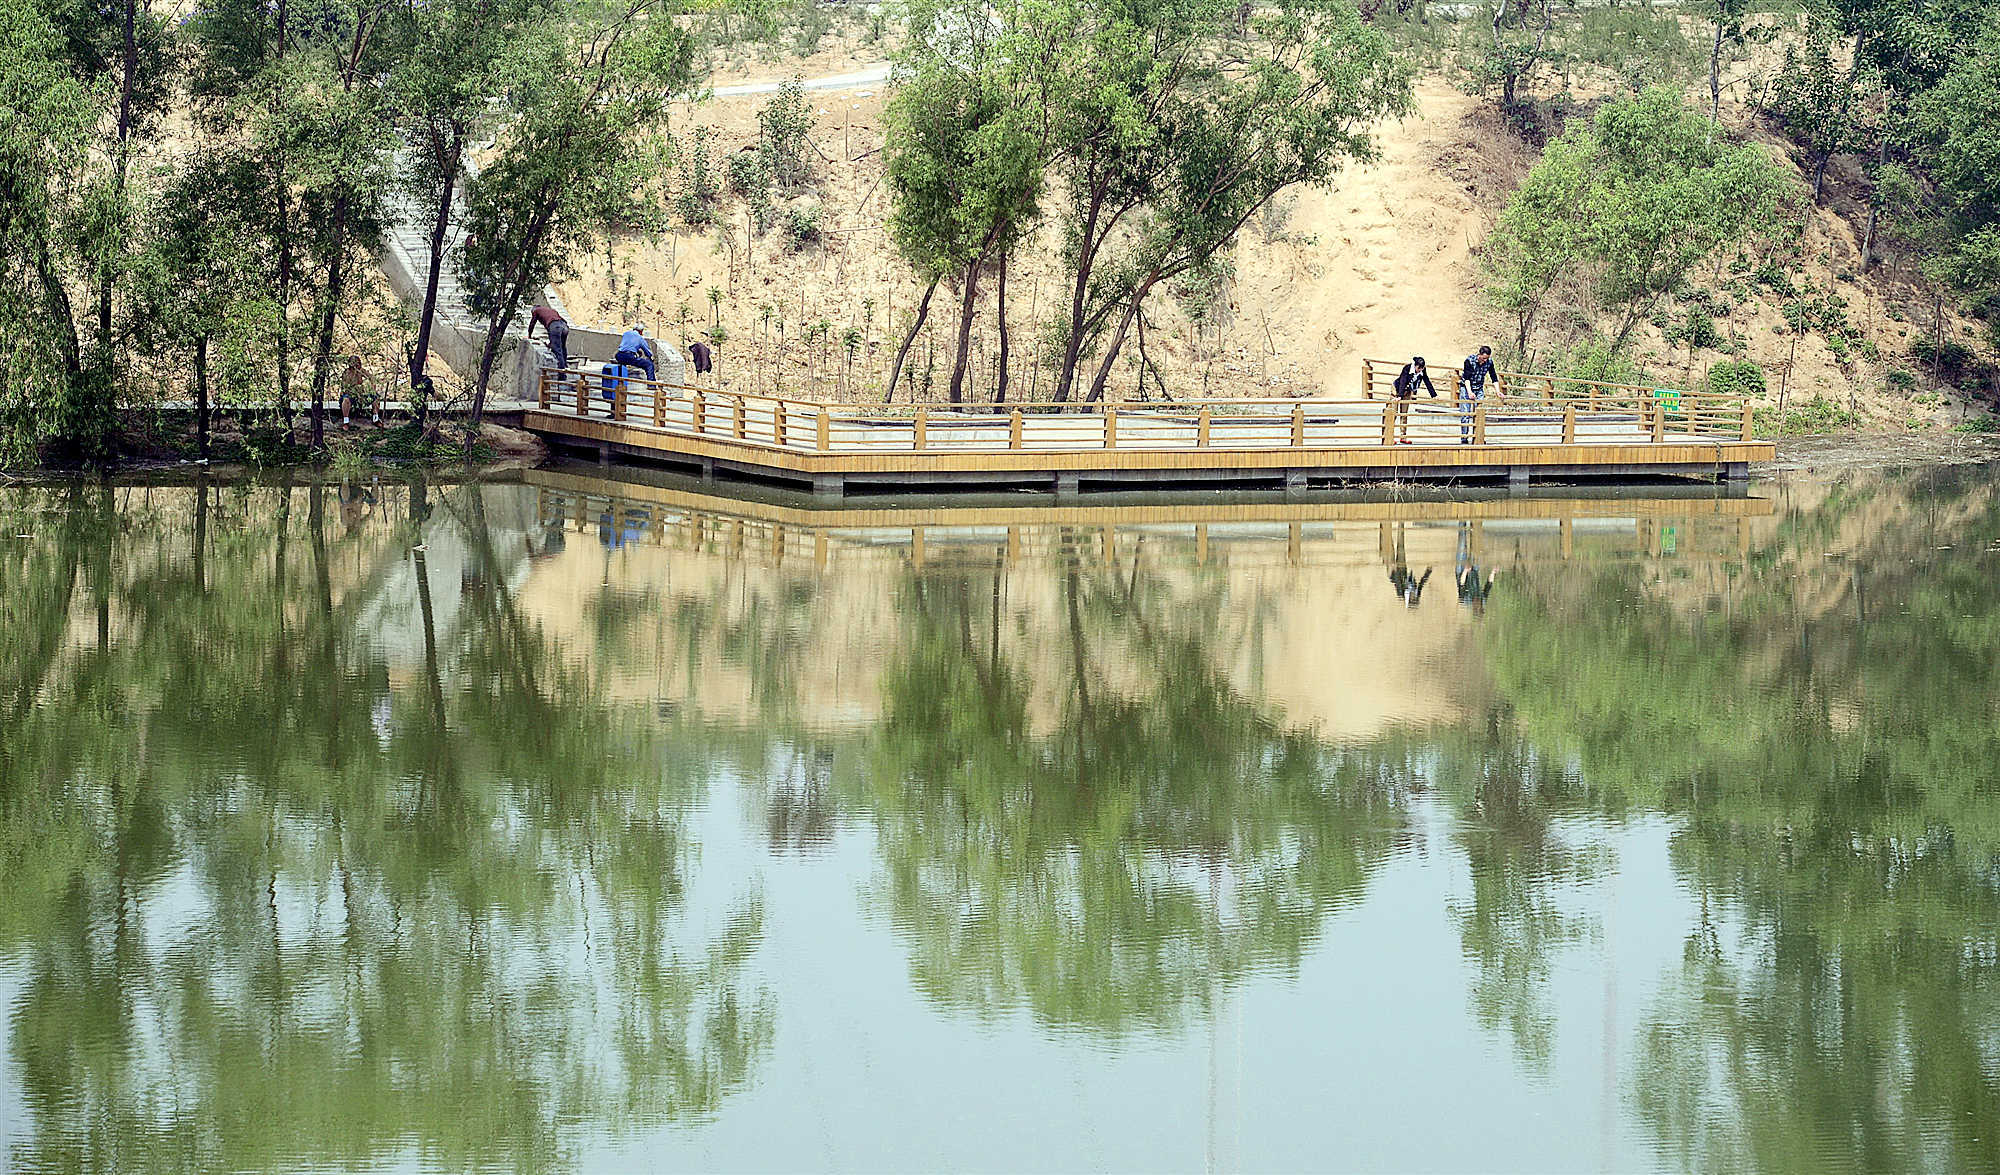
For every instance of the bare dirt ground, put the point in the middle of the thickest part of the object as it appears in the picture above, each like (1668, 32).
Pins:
(1833, 454)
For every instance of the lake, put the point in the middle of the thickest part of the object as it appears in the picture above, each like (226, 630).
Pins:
(580, 825)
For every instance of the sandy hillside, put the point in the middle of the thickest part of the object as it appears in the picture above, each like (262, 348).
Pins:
(1383, 264)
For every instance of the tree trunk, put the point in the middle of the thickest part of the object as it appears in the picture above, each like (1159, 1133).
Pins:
(440, 225)
(965, 312)
(128, 80)
(1000, 312)
(503, 315)
(284, 347)
(1118, 339)
(1819, 173)
(1715, 81)
(323, 357)
(201, 397)
(1085, 260)
(909, 340)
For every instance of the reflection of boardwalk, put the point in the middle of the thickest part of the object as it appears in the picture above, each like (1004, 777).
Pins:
(1527, 529)
(1563, 432)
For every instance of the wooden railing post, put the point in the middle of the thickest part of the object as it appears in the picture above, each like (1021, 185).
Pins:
(1014, 429)
(700, 412)
(618, 394)
(1479, 425)
(1298, 426)
(737, 425)
(825, 431)
(922, 425)
(659, 408)
(1748, 424)
(778, 423)
(1110, 428)
(1569, 423)
(1201, 428)
(1367, 379)
(1389, 421)
(542, 389)
(1659, 421)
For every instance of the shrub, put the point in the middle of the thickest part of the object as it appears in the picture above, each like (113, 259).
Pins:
(750, 175)
(1737, 378)
(783, 127)
(694, 201)
(1902, 379)
(802, 225)
(1593, 359)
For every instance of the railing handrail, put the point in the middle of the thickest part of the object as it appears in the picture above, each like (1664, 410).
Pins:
(1707, 415)
(1093, 407)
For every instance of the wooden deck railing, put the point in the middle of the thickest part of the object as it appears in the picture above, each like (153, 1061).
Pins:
(1706, 413)
(1534, 410)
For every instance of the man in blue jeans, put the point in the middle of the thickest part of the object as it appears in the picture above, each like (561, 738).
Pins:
(1472, 389)
(635, 351)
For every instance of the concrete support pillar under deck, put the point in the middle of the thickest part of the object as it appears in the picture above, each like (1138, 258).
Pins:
(1068, 485)
(1517, 478)
(832, 486)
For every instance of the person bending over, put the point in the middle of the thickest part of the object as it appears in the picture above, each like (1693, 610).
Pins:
(1413, 373)
(635, 351)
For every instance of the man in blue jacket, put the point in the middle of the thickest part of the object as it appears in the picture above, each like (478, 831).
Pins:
(635, 351)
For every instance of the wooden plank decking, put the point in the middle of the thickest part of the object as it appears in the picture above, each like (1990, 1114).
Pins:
(1544, 427)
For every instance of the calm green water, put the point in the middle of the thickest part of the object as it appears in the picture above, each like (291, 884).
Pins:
(566, 826)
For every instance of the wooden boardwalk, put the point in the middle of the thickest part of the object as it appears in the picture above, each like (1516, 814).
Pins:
(1690, 526)
(1542, 428)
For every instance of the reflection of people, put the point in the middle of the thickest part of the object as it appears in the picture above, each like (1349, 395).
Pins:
(355, 501)
(1413, 373)
(553, 541)
(635, 351)
(1473, 587)
(350, 390)
(1409, 588)
(1472, 389)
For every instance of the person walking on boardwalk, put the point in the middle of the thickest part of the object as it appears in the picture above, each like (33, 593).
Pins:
(1413, 373)
(635, 351)
(556, 327)
(1472, 389)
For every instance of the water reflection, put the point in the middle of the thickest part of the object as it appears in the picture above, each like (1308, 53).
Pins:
(527, 825)
(306, 868)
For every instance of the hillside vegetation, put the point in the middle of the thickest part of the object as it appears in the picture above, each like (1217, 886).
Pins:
(1050, 200)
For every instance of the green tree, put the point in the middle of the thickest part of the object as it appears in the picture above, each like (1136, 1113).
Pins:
(573, 165)
(1820, 102)
(964, 168)
(1627, 205)
(452, 65)
(46, 120)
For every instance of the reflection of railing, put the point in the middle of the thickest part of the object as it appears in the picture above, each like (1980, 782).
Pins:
(1329, 535)
(1538, 410)
(1661, 412)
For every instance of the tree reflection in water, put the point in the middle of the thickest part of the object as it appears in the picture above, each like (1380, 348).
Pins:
(1142, 846)
(1825, 733)
(282, 896)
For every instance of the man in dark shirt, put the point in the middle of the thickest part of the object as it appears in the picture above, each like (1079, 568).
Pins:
(557, 329)
(704, 359)
(1472, 389)
(1413, 373)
